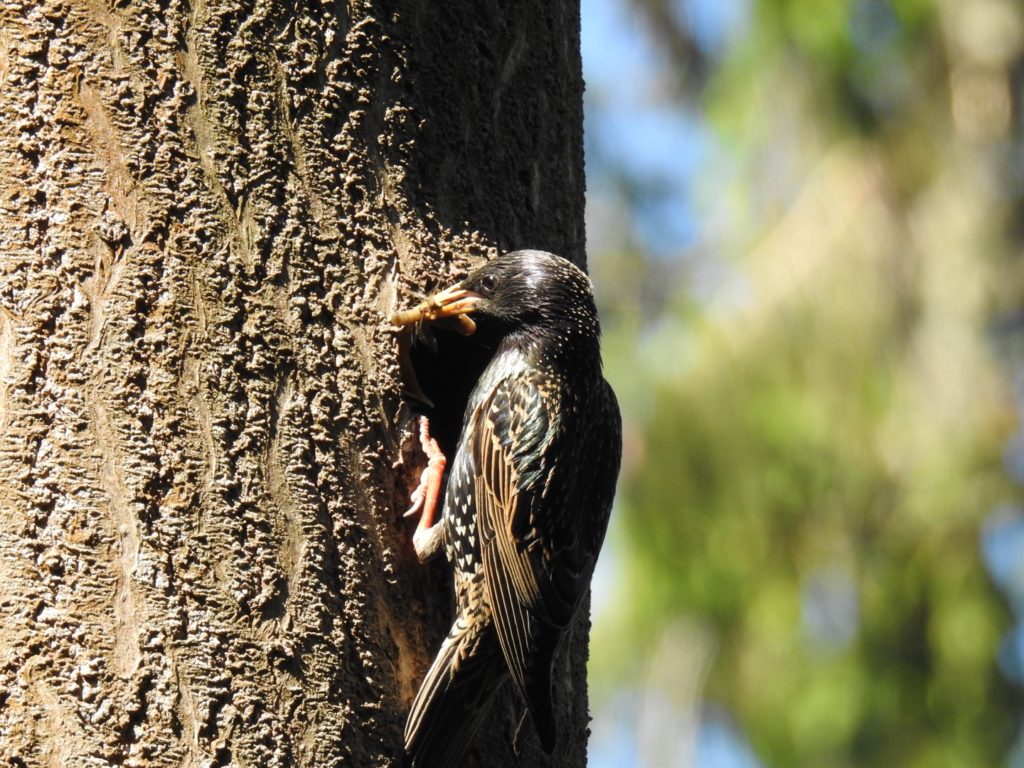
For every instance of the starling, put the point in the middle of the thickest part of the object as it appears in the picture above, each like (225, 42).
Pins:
(528, 495)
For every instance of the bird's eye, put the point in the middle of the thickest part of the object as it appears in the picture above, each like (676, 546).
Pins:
(489, 282)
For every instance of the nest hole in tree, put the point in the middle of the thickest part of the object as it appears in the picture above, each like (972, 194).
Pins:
(439, 368)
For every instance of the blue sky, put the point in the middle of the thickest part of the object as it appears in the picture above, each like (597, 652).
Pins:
(636, 129)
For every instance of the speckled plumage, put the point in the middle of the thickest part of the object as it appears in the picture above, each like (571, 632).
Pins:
(527, 502)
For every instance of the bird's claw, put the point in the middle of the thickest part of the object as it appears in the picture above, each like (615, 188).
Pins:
(417, 497)
(425, 497)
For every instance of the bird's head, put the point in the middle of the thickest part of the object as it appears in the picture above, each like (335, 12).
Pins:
(522, 296)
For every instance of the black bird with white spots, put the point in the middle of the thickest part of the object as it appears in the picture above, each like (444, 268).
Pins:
(528, 496)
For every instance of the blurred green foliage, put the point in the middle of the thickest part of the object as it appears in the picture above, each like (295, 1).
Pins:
(808, 461)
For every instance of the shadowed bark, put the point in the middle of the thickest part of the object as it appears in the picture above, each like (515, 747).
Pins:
(207, 212)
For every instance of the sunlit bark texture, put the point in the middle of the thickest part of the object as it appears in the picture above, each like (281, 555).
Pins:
(206, 213)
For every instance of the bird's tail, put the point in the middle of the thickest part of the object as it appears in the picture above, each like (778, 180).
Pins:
(539, 698)
(536, 688)
(454, 696)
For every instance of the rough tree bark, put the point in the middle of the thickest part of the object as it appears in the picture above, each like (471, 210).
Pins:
(206, 212)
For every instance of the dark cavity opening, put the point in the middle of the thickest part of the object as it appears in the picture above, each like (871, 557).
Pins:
(440, 367)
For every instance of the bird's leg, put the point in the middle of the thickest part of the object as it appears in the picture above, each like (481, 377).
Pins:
(428, 538)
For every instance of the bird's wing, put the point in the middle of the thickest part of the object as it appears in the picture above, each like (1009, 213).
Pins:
(538, 538)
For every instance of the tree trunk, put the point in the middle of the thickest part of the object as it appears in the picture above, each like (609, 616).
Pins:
(208, 211)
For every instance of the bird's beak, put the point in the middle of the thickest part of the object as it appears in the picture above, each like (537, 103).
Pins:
(455, 302)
